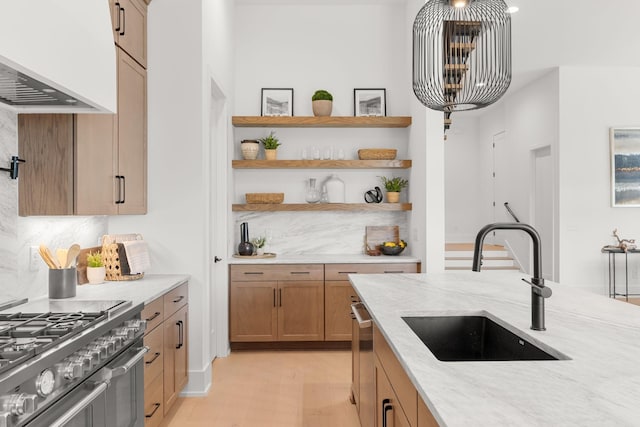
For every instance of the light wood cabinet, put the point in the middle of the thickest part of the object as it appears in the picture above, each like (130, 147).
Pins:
(129, 21)
(338, 293)
(166, 362)
(397, 400)
(88, 164)
(276, 303)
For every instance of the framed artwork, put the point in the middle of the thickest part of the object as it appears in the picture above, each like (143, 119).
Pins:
(625, 167)
(277, 102)
(369, 102)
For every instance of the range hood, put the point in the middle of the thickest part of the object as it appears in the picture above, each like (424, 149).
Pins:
(57, 57)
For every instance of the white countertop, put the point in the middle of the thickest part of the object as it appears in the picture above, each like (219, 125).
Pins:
(326, 259)
(599, 386)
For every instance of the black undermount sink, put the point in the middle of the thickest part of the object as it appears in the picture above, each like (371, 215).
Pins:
(475, 338)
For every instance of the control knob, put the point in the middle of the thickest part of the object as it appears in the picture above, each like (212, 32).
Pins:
(93, 354)
(100, 349)
(137, 324)
(71, 369)
(108, 345)
(19, 404)
(127, 333)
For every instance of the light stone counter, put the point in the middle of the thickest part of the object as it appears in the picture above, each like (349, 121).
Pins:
(326, 259)
(599, 386)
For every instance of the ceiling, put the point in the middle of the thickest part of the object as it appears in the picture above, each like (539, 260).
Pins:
(550, 33)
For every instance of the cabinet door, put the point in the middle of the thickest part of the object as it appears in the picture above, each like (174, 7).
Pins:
(388, 410)
(45, 141)
(355, 363)
(337, 310)
(425, 417)
(175, 356)
(132, 135)
(253, 315)
(129, 20)
(301, 311)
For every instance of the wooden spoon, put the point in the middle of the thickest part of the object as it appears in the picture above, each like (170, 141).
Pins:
(48, 258)
(72, 254)
(61, 255)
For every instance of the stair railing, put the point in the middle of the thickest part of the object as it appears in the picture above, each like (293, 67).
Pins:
(515, 218)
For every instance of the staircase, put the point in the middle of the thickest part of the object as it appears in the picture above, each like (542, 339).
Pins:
(459, 256)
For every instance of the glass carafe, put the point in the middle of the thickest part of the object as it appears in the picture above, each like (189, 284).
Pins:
(312, 194)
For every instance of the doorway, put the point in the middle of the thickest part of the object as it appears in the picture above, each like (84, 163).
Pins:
(499, 185)
(542, 209)
(218, 270)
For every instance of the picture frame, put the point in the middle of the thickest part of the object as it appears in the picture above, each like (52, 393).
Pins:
(276, 102)
(625, 166)
(369, 102)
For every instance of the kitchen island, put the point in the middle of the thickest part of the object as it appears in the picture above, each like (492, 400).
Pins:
(598, 386)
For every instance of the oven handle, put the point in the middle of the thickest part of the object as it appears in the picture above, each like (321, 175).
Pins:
(121, 370)
(361, 322)
(81, 405)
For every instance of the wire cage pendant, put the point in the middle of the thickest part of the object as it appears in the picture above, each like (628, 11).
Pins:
(461, 54)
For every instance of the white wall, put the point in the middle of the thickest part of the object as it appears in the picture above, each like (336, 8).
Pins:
(182, 57)
(591, 101)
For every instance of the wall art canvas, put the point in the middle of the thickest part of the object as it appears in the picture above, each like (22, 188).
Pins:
(625, 167)
(277, 102)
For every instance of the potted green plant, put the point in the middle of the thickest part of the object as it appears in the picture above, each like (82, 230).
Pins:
(394, 186)
(322, 103)
(258, 244)
(95, 268)
(271, 145)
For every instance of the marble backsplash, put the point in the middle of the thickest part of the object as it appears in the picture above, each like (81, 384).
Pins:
(307, 233)
(18, 234)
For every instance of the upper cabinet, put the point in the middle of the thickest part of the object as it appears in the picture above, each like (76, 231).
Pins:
(129, 19)
(93, 164)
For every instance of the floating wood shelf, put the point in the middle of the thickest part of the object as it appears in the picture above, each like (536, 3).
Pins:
(321, 164)
(315, 207)
(330, 121)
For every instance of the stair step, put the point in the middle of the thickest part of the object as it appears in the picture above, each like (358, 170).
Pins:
(484, 258)
(485, 268)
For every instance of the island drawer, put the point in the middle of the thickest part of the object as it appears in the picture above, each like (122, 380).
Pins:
(258, 272)
(402, 385)
(153, 402)
(153, 313)
(342, 271)
(175, 299)
(153, 360)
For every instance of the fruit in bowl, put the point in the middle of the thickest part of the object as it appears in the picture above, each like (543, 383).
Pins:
(393, 248)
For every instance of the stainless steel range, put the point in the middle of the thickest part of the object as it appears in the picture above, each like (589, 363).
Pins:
(71, 363)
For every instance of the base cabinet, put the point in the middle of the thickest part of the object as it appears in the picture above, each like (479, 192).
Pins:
(389, 412)
(165, 365)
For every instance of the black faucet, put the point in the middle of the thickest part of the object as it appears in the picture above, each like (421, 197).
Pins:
(538, 290)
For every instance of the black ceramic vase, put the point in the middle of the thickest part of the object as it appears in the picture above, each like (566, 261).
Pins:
(245, 247)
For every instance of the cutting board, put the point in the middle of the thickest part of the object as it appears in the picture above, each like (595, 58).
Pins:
(81, 266)
(376, 235)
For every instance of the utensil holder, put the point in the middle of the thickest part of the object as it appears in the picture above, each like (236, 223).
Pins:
(62, 283)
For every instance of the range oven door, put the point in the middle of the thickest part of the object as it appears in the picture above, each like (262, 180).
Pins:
(113, 397)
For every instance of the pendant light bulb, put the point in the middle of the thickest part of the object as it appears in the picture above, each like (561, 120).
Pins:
(460, 3)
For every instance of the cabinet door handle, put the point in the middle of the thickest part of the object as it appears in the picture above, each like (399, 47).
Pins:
(274, 297)
(117, 6)
(177, 300)
(386, 407)
(179, 324)
(156, 314)
(155, 356)
(119, 199)
(280, 292)
(253, 272)
(124, 22)
(156, 407)
(124, 185)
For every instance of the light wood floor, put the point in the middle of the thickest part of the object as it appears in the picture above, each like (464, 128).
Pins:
(273, 389)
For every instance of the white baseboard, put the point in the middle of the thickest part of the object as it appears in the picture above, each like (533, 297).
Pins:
(199, 383)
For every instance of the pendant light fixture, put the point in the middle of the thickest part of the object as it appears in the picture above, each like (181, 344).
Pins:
(461, 54)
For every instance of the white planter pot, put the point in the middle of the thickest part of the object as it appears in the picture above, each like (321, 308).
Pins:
(95, 275)
(249, 149)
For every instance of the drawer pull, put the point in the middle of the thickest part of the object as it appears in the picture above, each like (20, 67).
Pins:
(347, 272)
(156, 314)
(180, 298)
(393, 272)
(253, 272)
(156, 407)
(299, 272)
(155, 356)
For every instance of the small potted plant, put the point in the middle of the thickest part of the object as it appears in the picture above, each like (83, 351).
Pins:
(322, 103)
(394, 186)
(271, 145)
(95, 268)
(258, 244)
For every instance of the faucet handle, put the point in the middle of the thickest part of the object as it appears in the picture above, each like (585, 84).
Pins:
(538, 287)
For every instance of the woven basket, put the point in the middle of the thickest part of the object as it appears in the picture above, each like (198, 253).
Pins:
(111, 261)
(264, 197)
(377, 153)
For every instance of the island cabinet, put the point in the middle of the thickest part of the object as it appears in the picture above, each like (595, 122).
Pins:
(276, 303)
(397, 400)
(339, 293)
(165, 365)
